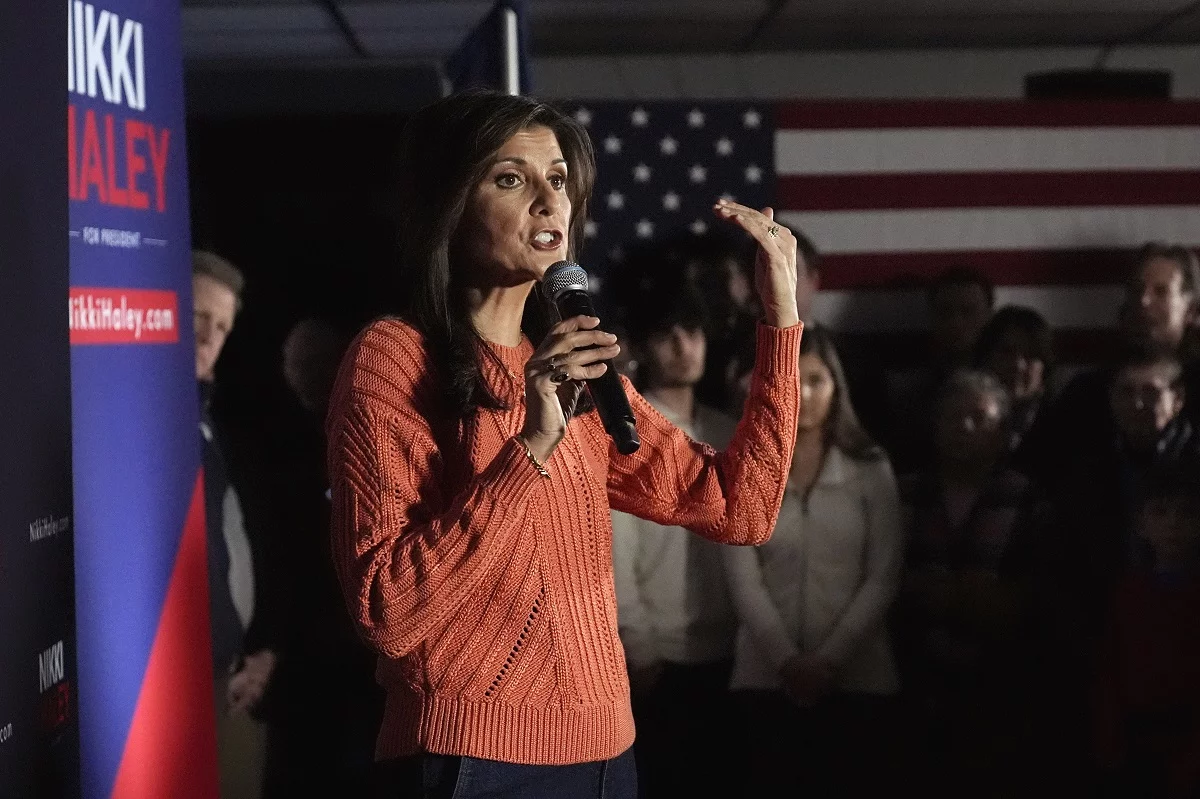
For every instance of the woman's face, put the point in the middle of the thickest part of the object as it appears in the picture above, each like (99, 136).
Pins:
(517, 217)
(816, 392)
(1013, 361)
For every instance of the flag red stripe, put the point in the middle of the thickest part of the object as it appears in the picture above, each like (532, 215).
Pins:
(986, 190)
(1003, 268)
(838, 114)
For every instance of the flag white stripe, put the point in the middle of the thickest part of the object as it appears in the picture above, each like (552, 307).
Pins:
(923, 150)
(878, 311)
(845, 232)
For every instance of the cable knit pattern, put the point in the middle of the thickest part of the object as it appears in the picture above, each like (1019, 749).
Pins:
(488, 589)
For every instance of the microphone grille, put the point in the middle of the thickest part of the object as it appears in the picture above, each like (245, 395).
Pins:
(562, 277)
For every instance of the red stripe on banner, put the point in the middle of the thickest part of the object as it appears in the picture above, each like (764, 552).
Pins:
(171, 750)
(986, 190)
(838, 114)
(1002, 267)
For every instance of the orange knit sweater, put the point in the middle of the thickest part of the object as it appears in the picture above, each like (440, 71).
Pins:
(488, 589)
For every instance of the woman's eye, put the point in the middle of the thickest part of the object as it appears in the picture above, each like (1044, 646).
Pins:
(558, 181)
(508, 180)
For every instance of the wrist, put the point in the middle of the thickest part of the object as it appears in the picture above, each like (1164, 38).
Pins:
(538, 447)
(782, 317)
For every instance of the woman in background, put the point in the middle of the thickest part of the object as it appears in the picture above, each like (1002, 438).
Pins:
(813, 666)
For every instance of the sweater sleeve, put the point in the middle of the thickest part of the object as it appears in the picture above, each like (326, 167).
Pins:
(730, 497)
(883, 561)
(404, 567)
(633, 618)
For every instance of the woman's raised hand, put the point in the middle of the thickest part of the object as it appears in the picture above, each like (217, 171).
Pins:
(774, 263)
(554, 378)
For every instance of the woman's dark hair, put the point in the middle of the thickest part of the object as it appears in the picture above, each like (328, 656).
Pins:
(842, 427)
(1032, 324)
(445, 151)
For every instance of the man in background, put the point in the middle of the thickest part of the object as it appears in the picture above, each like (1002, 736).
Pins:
(674, 614)
(239, 678)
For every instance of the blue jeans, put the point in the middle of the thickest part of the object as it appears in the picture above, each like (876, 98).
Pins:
(450, 777)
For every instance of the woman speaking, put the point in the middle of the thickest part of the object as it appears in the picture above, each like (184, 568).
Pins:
(471, 484)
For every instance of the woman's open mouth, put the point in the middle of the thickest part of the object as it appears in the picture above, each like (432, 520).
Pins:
(548, 240)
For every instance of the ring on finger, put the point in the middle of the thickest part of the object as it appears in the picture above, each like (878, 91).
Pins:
(773, 231)
(558, 375)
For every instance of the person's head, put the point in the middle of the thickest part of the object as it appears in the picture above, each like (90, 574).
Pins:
(312, 352)
(960, 302)
(1146, 394)
(493, 190)
(216, 299)
(667, 331)
(1162, 293)
(1169, 520)
(716, 264)
(808, 273)
(972, 416)
(1017, 345)
(825, 402)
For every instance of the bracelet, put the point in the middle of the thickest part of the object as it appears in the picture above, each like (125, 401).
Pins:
(532, 459)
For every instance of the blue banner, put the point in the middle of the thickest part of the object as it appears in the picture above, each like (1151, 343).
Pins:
(146, 702)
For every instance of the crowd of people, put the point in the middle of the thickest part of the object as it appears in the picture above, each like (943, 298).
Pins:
(983, 578)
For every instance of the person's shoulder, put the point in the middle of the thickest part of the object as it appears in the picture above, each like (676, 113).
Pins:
(386, 362)
(870, 467)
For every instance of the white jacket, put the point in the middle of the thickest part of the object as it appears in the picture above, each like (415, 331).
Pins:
(824, 581)
(671, 600)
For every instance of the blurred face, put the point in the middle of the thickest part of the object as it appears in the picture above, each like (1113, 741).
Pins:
(1144, 402)
(816, 392)
(970, 428)
(1171, 531)
(1159, 306)
(1013, 361)
(675, 357)
(808, 282)
(310, 364)
(516, 220)
(215, 307)
(740, 290)
(959, 313)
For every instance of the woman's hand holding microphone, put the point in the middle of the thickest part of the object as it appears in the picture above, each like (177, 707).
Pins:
(554, 379)
(574, 349)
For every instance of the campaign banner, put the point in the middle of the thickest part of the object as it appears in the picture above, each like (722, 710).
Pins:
(146, 710)
(39, 732)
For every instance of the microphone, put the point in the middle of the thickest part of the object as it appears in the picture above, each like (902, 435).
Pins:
(565, 285)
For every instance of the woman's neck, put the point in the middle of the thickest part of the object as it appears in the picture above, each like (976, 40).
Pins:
(496, 312)
(808, 458)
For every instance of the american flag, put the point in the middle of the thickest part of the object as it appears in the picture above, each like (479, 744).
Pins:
(1048, 199)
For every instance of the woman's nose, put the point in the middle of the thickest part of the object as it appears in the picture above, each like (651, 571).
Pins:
(548, 201)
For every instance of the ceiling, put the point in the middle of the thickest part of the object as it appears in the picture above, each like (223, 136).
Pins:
(289, 31)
